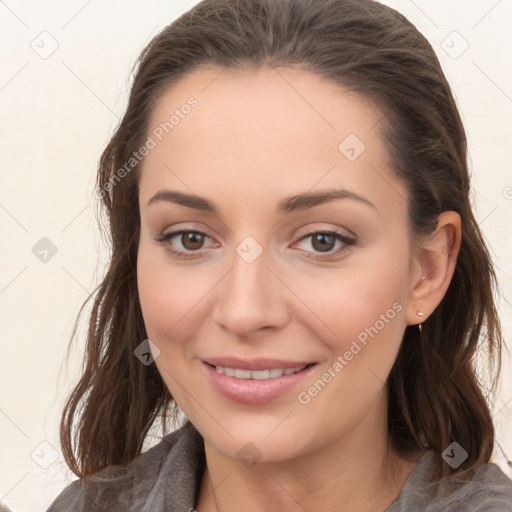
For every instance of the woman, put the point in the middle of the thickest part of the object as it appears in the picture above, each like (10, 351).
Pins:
(296, 267)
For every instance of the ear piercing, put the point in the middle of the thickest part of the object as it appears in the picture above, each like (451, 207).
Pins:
(419, 313)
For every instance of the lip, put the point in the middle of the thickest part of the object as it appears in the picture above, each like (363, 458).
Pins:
(255, 364)
(254, 391)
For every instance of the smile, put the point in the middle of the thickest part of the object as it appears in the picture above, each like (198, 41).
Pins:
(271, 373)
(265, 382)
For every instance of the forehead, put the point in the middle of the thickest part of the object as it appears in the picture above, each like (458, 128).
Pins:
(268, 129)
(267, 102)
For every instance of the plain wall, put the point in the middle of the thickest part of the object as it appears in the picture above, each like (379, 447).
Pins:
(64, 80)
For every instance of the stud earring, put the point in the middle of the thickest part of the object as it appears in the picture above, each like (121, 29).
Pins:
(419, 313)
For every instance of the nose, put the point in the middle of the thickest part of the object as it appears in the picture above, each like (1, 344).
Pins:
(251, 297)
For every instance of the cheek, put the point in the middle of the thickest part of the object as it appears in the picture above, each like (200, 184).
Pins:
(158, 300)
(172, 297)
(367, 309)
(362, 314)
(170, 300)
(360, 301)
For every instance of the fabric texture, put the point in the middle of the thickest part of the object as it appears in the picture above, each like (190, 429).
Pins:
(167, 477)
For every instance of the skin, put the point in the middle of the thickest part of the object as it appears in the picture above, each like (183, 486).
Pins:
(255, 138)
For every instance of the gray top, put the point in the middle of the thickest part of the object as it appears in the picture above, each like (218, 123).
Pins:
(166, 478)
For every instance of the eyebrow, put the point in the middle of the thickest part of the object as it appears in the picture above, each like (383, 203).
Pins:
(294, 203)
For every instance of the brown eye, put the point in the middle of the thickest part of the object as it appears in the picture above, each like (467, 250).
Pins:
(192, 240)
(326, 244)
(183, 243)
(323, 242)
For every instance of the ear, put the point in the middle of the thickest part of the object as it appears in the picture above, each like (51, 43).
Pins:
(432, 267)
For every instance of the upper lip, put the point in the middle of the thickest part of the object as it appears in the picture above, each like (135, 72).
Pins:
(254, 364)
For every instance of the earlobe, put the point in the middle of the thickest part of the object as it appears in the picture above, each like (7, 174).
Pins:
(435, 261)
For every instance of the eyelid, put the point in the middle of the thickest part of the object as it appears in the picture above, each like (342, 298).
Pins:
(165, 237)
(328, 229)
(185, 228)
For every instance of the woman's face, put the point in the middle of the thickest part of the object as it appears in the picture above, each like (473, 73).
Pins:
(259, 169)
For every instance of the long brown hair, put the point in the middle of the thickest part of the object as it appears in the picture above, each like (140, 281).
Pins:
(434, 394)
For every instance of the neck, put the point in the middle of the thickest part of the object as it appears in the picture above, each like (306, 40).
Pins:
(358, 472)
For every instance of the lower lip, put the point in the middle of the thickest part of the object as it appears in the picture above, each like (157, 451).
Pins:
(253, 391)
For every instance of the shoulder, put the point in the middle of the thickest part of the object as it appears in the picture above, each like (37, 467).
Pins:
(144, 483)
(489, 490)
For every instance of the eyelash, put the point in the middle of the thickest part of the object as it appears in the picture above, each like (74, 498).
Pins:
(344, 239)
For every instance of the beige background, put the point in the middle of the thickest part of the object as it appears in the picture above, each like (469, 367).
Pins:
(63, 84)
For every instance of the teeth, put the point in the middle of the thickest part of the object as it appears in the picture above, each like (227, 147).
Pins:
(261, 374)
(276, 372)
(242, 374)
(271, 373)
(227, 371)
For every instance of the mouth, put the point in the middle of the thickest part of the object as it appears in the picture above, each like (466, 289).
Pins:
(266, 374)
(257, 382)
